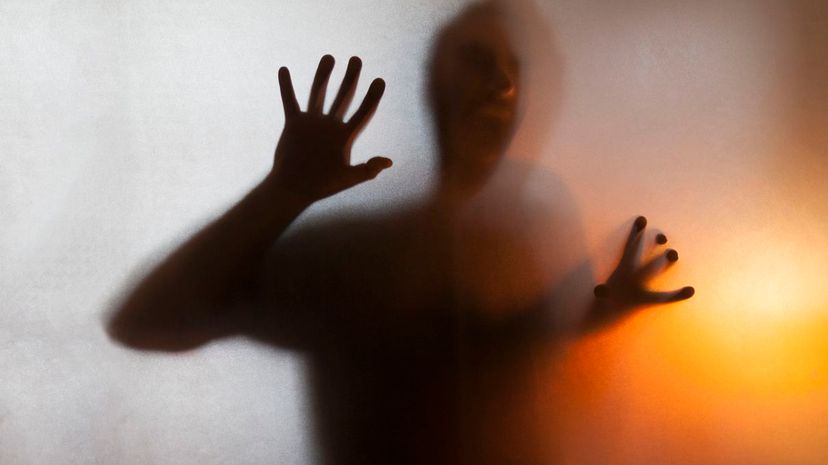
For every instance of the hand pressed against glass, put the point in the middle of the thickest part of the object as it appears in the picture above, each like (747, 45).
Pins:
(313, 156)
(626, 286)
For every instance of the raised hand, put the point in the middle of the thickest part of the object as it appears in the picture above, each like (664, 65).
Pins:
(313, 156)
(626, 286)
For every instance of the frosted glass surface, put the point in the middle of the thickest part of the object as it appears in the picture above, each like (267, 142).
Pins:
(125, 126)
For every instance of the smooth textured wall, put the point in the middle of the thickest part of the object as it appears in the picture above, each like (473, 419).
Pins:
(125, 126)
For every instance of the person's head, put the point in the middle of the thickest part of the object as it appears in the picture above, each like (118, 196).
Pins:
(474, 92)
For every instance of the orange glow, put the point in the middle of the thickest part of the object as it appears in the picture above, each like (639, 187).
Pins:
(709, 384)
(737, 373)
(668, 384)
(774, 278)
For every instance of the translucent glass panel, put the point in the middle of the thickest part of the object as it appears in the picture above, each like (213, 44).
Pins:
(125, 126)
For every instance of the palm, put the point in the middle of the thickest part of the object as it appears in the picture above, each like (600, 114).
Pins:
(313, 156)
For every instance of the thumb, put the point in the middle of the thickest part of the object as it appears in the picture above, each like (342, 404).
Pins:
(369, 170)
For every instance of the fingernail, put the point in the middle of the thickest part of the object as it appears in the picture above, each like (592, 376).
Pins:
(672, 255)
(640, 223)
(661, 239)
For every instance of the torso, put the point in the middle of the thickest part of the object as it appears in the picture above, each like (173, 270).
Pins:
(414, 358)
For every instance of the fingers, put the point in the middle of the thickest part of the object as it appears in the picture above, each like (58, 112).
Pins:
(684, 293)
(358, 174)
(320, 84)
(658, 263)
(633, 246)
(368, 107)
(316, 99)
(347, 89)
(289, 102)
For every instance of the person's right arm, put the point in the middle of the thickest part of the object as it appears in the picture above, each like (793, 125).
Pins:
(198, 292)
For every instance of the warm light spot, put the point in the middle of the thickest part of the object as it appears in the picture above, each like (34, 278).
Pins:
(757, 359)
(672, 377)
(773, 276)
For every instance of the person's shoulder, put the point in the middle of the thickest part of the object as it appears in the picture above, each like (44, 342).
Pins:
(533, 190)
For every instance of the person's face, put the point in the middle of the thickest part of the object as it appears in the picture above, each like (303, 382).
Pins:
(476, 92)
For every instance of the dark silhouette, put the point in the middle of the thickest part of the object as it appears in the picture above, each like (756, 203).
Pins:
(422, 324)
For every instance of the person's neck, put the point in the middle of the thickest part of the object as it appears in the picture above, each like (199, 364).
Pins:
(456, 182)
(452, 193)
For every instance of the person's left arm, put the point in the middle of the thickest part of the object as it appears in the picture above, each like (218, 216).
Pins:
(626, 289)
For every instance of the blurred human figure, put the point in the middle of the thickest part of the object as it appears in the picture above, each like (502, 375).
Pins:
(422, 323)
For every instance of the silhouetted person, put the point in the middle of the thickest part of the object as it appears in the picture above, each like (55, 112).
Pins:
(422, 324)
